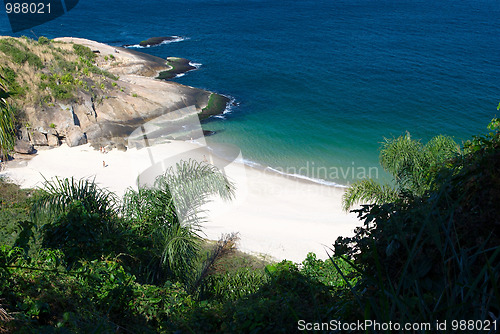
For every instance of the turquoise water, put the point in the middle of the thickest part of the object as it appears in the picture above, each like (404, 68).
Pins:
(319, 84)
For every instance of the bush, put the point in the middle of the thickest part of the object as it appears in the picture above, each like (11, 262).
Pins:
(42, 40)
(434, 257)
(84, 52)
(232, 285)
(10, 77)
(40, 295)
(14, 208)
(79, 234)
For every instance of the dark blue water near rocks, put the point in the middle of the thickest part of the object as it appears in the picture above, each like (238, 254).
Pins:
(318, 83)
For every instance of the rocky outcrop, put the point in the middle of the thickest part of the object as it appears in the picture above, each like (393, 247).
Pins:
(103, 107)
(24, 147)
(177, 66)
(75, 136)
(53, 140)
(153, 41)
(38, 139)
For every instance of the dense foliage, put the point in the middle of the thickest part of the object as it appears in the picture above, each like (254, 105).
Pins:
(413, 166)
(434, 256)
(7, 130)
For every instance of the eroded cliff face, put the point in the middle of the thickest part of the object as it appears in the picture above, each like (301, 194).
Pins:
(98, 93)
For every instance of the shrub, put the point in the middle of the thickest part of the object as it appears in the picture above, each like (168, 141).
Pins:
(84, 52)
(232, 285)
(10, 78)
(80, 234)
(42, 40)
(434, 257)
(67, 78)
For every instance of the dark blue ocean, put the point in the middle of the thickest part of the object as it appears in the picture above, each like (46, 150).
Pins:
(318, 83)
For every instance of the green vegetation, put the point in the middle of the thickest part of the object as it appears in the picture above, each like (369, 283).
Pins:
(434, 256)
(41, 73)
(413, 166)
(84, 52)
(42, 40)
(10, 80)
(19, 53)
(7, 129)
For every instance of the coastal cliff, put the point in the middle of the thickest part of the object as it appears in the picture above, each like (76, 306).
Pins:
(77, 91)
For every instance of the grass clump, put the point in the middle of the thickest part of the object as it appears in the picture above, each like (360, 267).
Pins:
(84, 52)
(19, 53)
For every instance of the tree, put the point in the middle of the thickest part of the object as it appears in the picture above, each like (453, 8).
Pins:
(7, 128)
(412, 164)
(170, 213)
(57, 195)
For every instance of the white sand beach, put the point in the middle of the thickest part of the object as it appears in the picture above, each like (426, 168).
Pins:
(274, 215)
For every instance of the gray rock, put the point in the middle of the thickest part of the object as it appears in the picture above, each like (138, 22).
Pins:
(53, 132)
(41, 129)
(89, 104)
(53, 140)
(121, 147)
(23, 147)
(75, 136)
(25, 134)
(38, 139)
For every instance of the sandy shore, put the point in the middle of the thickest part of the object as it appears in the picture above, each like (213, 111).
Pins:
(273, 215)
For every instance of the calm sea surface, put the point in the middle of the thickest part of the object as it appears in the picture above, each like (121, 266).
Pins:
(318, 84)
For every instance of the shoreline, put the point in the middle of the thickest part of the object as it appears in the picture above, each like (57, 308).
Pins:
(275, 215)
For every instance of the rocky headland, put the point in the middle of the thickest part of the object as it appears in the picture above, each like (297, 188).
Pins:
(76, 91)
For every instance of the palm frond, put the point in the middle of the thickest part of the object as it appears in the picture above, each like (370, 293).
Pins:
(223, 246)
(148, 208)
(367, 191)
(442, 148)
(402, 157)
(7, 126)
(170, 213)
(181, 249)
(57, 194)
(191, 184)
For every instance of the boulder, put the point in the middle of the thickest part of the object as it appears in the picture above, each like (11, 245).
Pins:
(75, 136)
(38, 139)
(53, 140)
(41, 129)
(25, 134)
(53, 132)
(23, 147)
(153, 41)
(121, 147)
